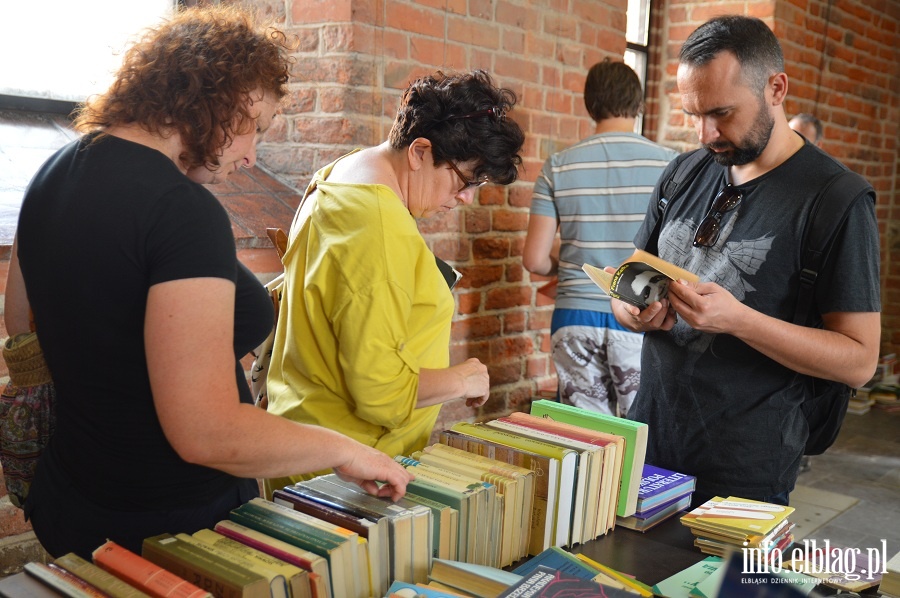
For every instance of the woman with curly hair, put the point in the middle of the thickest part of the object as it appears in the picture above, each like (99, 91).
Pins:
(362, 341)
(144, 311)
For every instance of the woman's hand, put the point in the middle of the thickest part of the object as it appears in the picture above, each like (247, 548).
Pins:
(475, 381)
(368, 467)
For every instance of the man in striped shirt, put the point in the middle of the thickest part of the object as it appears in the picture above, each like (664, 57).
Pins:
(595, 193)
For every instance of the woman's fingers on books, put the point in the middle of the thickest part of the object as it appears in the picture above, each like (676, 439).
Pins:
(368, 465)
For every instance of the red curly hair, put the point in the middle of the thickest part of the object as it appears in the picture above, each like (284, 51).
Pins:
(192, 75)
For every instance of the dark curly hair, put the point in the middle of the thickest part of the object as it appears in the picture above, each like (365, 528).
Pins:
(748, 38)
(192, 75)
(436, 107)
(612, 89)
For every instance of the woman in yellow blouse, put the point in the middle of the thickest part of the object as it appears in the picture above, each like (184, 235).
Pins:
(362, 342)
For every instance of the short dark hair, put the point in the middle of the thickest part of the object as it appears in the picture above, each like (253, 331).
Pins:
(806, 117)
(612, 89)
(436, 107)
(193, 74)
(748, 38)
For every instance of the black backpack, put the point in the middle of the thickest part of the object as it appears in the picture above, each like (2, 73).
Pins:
(826, 406)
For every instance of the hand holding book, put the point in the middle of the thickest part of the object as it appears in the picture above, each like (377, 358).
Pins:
(641, 280)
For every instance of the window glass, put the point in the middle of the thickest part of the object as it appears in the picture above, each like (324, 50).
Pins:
(638, 22)
(64, 50)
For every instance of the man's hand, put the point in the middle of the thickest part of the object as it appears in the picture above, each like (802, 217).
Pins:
(707, 307)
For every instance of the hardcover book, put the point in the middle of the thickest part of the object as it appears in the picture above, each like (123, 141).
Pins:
(476, 580)
(220, 577)
(544, 582)
(546, 480)
(317, 566)
(641, 279)
(660, 486)
(647, 520)
(635, 434)
(97, 577)
(149, 577)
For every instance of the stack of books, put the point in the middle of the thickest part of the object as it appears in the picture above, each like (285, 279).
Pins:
(579, 566)
(663, 494)
(885, 396)
(722, 525)
(861, 402)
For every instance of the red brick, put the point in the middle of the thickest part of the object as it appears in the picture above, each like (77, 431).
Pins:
(507, 373)
(510, 347)
(469, 303)
(478, 220)
(492, 195)
(476, 327)
(490, 248)
(515, 272)
(507, 297)
(514, 322)
(478, 276)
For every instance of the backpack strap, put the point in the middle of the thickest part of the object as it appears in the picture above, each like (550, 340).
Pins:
(828, 214)
(673, 186)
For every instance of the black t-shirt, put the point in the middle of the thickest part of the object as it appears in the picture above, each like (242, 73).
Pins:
(717, 408)
(100, 224)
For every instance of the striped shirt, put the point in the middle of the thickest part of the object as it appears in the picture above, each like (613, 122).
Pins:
(597, 190)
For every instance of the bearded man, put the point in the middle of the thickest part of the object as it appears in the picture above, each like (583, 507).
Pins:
(724, 371)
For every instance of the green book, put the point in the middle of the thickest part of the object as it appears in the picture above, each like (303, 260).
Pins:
(207, 571)
(635, 434)
(445, 520)
(281, 527)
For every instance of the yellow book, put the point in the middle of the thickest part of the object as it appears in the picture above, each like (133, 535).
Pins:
(640, 280)
(630, 583)
(744, 515)
(524, 489)
(296, 578)
(507, 490)
(102, 580)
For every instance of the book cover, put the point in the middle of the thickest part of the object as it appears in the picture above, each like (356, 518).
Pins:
(559, 511)
(402, 589)
(635, 434)
(376, 534)
(744, 515)
(478, 580)
(557, 559)
(97, 577)
(640, 280)
(659, 485)
(613, 452)
(335, 551)
(589, 475)
(544, 582)
(205, 570)
(296, 579)
(400, 524)
(684, 582)
(144, 574)
(62, 581)
(278, 587)
(317, 566)
(421, 525)
(444, 521)
(644, 521)
(546, 479)
(524, 489)
(627, 582)
(22, 585)
(506, 499)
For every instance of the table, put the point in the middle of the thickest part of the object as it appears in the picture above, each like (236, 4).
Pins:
(651, 556)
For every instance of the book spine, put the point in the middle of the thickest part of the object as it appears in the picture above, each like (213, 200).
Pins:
(202, 569)
(62, 581)
(147, 576)
(94, 575)
(283, 528)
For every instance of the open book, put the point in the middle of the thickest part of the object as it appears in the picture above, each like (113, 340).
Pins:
(641, 279)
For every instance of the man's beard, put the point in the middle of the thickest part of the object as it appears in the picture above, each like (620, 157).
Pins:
(750, 147)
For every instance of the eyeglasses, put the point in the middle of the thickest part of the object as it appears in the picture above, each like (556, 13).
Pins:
(495, 111)
(466, 182)
(708, 232)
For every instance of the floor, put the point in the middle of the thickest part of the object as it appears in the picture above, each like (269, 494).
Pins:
(863, 464)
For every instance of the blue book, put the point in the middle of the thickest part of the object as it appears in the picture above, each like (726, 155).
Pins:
(662, 486)
(559, 560)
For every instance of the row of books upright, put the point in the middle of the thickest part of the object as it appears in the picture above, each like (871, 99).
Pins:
(488, 494)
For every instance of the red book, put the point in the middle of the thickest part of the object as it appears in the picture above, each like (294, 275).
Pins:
(144, 575)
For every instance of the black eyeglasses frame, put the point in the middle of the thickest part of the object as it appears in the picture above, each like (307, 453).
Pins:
(707, 232)
(466, 182)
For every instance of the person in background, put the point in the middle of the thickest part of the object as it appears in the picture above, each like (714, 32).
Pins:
(143, 310)
(725, 372)
(363, 332)
(809, 126)
(595, 194)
